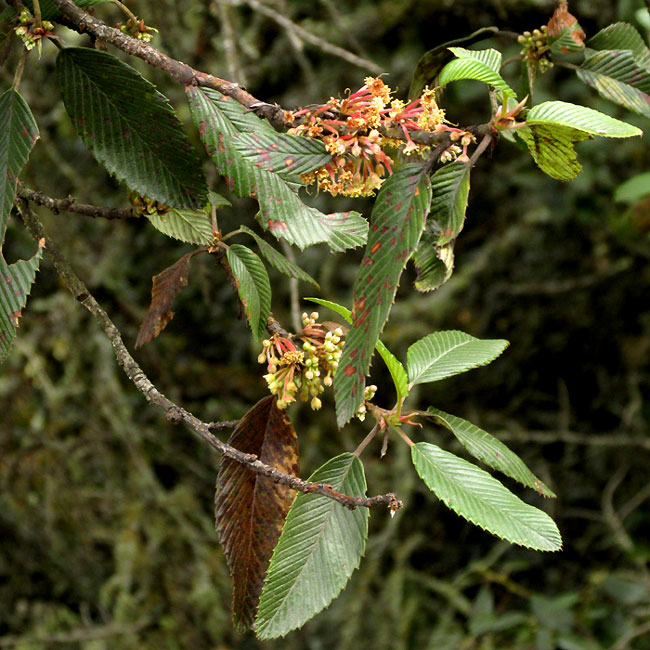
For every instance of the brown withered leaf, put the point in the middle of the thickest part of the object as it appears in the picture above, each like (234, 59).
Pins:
(250, 509)
(166, 286)
(562, 21)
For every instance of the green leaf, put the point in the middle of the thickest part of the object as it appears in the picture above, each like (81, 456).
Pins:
(434, 264)
(50, 12)
(191, 226)
(130, 127)
(633, 189)
(395, 367)
(18, 133)
(621, 36)
(320, 547)
(490, 450)
(278, 261)
(254, 286)
(395, 228)
(219, 121)
(450, 189)
(284, 154)
(552, 149)
(433, 61)
(217, 201)
(444, 354)
(471, 67)
(283, 213)
(491, 58)
(584, 119)
(618, 77)
(16, 282)
(397, 371)
(478, 497)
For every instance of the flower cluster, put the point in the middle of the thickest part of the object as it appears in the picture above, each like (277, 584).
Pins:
(368, 394)
(536, 50)
(302, 371)
(353, 131)
(31, 34)
(137, 29)
(143, 205)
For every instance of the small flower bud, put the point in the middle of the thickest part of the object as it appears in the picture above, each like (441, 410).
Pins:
(316, 403)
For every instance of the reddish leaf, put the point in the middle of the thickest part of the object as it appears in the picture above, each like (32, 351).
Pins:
(561, 23)
(249, 508)
(166, 286)
(396, 225)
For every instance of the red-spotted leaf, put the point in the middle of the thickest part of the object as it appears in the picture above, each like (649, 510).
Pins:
(618, 76)
(15, 284)
(18, 133)
(249, 508)
(166, 286)
(254, 286)
(130, 127)
(220, 121)
(450, 189)
(396, 225)
(284, 154)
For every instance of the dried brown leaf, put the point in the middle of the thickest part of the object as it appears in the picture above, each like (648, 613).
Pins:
(249, 508)
(166, 286)
(562, 20)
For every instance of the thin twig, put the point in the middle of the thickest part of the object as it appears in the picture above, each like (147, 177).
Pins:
(227, 40)
(175, 413)
(572, 438)
(483, 145)
(127, 12)
(315, 40)
(19, 69)
(70, 205)
(37, 13)
(366, 441)
(225, 424)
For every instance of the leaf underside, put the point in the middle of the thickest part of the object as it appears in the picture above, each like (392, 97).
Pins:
(250, 509)
(618, 77)
(564, 114)
(320, 547)
(395, 228)
(190, 226)
(552, 149)
(165, 287)
(480, 498)
(130, 127)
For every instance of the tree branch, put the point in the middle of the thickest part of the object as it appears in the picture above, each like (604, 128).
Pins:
(174, 413)
(183, 73)
(70, 205)
(290, 26)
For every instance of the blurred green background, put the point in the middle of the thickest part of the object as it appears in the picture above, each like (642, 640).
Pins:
(106, 515)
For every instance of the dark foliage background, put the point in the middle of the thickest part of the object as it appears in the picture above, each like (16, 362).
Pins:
(106, 523)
